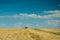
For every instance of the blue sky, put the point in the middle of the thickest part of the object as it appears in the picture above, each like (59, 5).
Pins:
(30, 13)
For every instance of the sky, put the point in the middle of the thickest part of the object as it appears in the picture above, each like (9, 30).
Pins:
(30, 13)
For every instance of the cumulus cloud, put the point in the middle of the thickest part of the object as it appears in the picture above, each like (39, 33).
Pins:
(52, 11)
(52, 15)
(48, 22)
(24, 16)
(32, 16)
(55, 13)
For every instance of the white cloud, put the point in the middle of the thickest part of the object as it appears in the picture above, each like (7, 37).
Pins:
(24, 15)
(52, 11)
(32, 16)
(53, 23)
(55, 13)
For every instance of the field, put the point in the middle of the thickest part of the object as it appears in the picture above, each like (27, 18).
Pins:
(30, 34)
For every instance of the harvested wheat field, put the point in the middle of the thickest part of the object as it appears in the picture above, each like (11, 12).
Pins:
(29, 34)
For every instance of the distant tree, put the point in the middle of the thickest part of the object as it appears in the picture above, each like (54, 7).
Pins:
(26, 27)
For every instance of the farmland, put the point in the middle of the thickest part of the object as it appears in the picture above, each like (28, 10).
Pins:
(29, 34)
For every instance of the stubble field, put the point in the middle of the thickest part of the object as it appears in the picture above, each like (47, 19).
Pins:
(30, 34)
